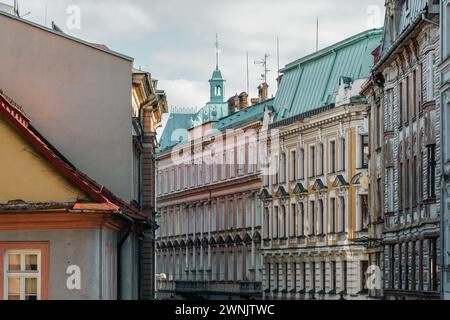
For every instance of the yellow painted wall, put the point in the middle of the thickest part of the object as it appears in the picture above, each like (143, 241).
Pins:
(25, 175)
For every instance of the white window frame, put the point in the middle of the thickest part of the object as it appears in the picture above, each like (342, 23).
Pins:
(22, 274)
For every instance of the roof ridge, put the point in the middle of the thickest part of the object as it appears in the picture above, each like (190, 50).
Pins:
(336, 46)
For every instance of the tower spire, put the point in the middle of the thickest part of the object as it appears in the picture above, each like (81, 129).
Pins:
(217, 51)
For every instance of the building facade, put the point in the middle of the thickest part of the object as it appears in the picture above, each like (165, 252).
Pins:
(315, 194)
(405, 153)
(445, 105)
(62, 236)
(148, 105)
(208, 243)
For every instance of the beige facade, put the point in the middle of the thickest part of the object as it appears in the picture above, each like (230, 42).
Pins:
(315, 215)
(208, 243)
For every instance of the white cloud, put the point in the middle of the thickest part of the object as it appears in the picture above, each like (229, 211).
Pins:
(184, 93)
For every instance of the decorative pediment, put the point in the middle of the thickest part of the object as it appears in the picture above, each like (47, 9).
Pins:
(356, 180)
(190, 243)
(319, 186)
(212, 241)
(238, 239)
(205, 242)
(176, 244)
(163, 245)
(340, 182)
(169, 245)
(197, 242)
(158, 246)
(229, 240)
(300, 189)
(182, 243)
(265, 194)
(257, 237)
(247, 238)
(220, 240)
(281, 192)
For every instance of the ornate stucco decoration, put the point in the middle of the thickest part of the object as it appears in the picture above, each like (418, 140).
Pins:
(300, 191)
(319, 186)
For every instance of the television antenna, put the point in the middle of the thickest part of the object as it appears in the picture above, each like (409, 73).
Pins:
(17, 12)
(263, 64)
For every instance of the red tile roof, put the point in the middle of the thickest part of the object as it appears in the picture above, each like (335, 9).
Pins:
(106, 201)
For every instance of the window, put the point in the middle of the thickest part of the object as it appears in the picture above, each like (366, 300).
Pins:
(312, 161)
(213, 217)
(251, 161)
(432, 263)
(200, 173)
(178, 178)
(230, 214)
(275, 170)
(333, 276)
(222, 215)
(301, 164)
(342, 214)
(364, 211)
(400, 186)
(239, 213)
(415, 98)
(344, 276)
(445, 30)
(301, 220)
(232, 163)
(332, 215)
(363, 275)
(320, 220)
(408, 100)
(332, 156)
(313, 276)
(266, 223)
(185, 176)
(431, 174)
(408, 185)
(248, 211)
(389, 123)
(283, 223)
(401, 105)
(320, 160)
(22, 278)
(430, 80)
(323, 274)
(292, 220)
(312, 223)
(390, 189)
(224, 166)
(283, 168)
(241, 160)
(342, 148)
(365, 151)
(292, 166)
(275, 223)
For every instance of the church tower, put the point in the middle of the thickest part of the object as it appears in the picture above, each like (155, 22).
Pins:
(217, 83)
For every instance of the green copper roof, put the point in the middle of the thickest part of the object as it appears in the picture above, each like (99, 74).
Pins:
(253, 113)
(175, 130)
(210, 112)
(312, 82)
(217, 75)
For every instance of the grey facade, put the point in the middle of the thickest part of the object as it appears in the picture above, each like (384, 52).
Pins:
(405, 162)
(76, 90)
(445, 100)
(94, 251)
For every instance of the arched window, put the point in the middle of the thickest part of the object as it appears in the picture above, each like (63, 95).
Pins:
(218, 90)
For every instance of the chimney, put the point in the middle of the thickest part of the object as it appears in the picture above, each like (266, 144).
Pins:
(263, 92)
(233, 104)
(254, 101)
(243, 101)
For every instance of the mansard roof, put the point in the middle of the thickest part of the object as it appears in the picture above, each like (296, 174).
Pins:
(312, 82)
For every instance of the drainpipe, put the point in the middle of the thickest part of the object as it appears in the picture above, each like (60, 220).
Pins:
(119, 253)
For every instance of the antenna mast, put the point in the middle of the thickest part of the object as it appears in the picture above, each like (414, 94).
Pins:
(263, 63)
(317, 35)
(217, 51)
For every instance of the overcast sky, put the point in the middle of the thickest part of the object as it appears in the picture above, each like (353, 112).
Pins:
(174, 39)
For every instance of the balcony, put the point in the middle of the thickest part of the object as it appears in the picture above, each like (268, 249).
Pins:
(226, 287)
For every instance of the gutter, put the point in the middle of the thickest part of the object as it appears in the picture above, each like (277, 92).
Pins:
(119, 252)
